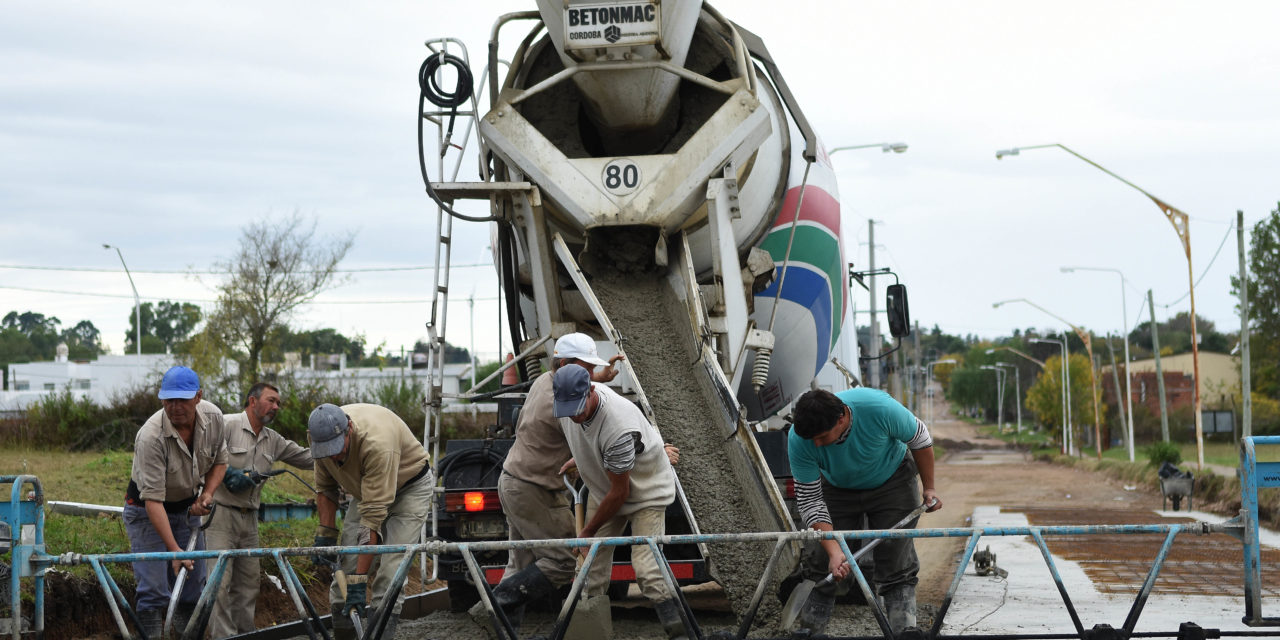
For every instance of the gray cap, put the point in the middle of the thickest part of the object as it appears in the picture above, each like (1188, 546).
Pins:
(326, 428)
(571, 386)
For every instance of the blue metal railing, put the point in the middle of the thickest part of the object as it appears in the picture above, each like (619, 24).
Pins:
(31, 560)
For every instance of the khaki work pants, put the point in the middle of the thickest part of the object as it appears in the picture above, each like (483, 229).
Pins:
(403, 525)
(535, 513)
(645, 522)
(234, 607)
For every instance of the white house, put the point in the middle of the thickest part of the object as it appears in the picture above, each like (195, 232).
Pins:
(100, 380)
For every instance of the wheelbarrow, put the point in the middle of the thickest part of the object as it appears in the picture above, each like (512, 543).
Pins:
(1175, 485)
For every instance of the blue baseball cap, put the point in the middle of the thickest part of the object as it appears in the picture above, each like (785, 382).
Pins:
(571, 386)
(179, 382)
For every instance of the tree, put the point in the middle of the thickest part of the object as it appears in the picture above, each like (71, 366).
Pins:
(452, 354)
(1044, 397)
(165, 326)
(83, 340)
(323, 341)
(279, 266)
(1264, 305)
(1175, 336)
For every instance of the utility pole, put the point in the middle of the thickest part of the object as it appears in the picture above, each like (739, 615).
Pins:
(1115, 378)
(874, 366)
(1246, 390)
(1155, 348)
(915, 369)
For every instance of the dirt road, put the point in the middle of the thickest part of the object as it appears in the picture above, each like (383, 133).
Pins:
(977, 471)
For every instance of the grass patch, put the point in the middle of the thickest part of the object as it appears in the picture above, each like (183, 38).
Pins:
(1226, 454)
(1028, 438)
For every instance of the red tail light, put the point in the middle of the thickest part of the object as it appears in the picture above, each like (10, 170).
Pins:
(791, 488)
(472, 501)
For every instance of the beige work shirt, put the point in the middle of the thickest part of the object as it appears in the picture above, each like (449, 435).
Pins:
(383, 456)
(256, 452)
(540, 448)
(164, 469)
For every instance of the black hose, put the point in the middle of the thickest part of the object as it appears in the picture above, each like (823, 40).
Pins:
(430, 90)
(519, 386)
(473, 456)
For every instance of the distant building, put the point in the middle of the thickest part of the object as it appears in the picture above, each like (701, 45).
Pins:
(100, 380)
(1219, 380)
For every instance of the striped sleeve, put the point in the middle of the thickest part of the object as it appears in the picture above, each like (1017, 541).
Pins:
(813, 509)
(922, 439)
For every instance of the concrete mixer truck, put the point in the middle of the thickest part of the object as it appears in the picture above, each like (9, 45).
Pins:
(652, 183)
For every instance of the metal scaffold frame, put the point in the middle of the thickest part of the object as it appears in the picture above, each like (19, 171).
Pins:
(30, 560)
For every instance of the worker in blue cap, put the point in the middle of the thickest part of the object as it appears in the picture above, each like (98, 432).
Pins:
(179, 458)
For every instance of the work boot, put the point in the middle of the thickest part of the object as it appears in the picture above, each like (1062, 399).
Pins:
(816, 612)
(900, 607)
(343, 629)
(151, 623)
(669, 616)
(513, 593)
(182, 617)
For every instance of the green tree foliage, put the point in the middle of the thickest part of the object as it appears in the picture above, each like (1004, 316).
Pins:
(1264, 305)
(280, 265)
(166, 325)
(320, 342)
(1044, 397)
(1175, 336)
(452, 354)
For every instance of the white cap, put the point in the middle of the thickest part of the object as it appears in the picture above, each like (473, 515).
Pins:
(578, 346)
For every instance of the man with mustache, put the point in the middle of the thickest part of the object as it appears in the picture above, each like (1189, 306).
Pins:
(251, 446)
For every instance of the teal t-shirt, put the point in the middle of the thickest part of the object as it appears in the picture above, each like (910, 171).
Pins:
(878, 436)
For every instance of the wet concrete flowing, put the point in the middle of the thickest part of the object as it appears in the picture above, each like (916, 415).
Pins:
(659, 342)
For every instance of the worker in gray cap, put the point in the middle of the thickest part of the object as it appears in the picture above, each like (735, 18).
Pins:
(368, 452)
(621, 460)
(532, 493)
(179, 457)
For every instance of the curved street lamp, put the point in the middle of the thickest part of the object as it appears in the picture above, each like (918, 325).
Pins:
(1181, 226)
(1016, 352)
(1124, 316)
(137, 303)
(874, 368)
(1001, 375)
(1017, 391)
(1066, 391)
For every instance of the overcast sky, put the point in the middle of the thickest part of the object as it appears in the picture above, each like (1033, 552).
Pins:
(164, 128)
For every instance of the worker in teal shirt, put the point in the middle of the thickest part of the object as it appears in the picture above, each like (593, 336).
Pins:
(856, 454)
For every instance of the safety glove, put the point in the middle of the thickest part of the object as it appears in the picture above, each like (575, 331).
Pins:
(357, 583)
(236, 480)
(325, 537)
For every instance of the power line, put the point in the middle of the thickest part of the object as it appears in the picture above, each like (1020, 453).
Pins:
(213, 272)
(206, 301)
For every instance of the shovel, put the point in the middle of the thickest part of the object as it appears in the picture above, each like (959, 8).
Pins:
(182, 574)
(340, 578)
(799, 595)
(579, 510)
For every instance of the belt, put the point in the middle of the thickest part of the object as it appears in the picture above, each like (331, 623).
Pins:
(426, 468)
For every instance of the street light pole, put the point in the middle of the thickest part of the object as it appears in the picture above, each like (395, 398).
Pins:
(1088, 347)
(1000, 377)
(929, 378)
(873, 367)
(1181, 226)
(137, 302)
(1017, 391)
(1124, 317)
(1066, 390)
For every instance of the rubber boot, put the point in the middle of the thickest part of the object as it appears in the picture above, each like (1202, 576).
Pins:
(816, 612)
(669, 616)
(513, 593)
(182, 617)
(900, 607)
(343, 629)
(151, 623)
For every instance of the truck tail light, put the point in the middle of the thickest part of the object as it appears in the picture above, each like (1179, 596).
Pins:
(472, 501)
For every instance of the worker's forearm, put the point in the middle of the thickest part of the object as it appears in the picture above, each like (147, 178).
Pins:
(212, 481)
(924, 464)
(326, 510)
(160, 521)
